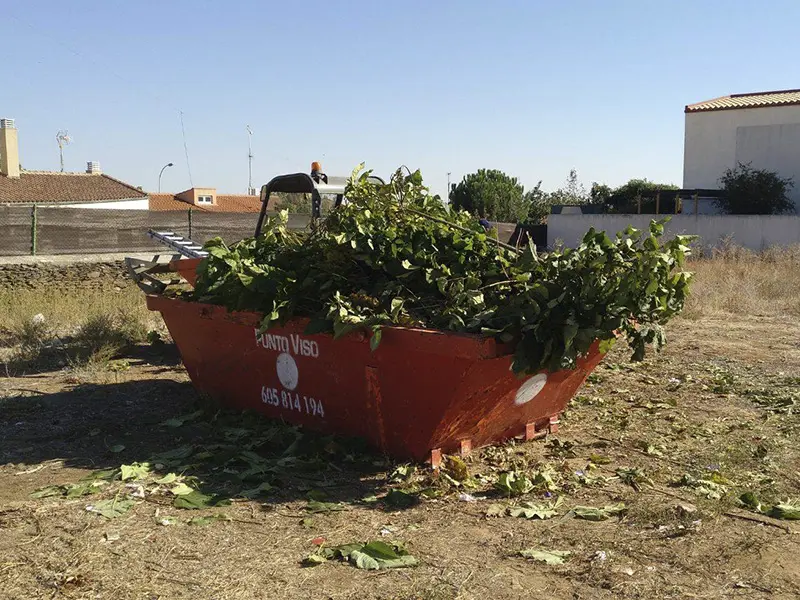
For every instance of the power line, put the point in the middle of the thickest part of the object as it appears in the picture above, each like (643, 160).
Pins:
(186, 151)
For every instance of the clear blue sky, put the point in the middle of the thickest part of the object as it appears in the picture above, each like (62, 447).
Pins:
(532, 88)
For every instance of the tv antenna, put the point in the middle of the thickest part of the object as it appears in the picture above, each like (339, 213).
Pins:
(63, 139)
(250, 189)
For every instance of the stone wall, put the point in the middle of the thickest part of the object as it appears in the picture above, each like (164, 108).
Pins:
(103, 275)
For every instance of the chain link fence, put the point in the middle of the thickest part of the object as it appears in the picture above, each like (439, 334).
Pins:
(31, 230)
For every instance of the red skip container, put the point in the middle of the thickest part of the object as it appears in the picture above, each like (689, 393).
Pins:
(421, 393)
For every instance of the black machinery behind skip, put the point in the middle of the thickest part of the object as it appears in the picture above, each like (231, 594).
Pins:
(317, 184)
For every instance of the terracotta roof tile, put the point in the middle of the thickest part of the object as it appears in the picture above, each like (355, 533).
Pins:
(227, 203)
(50, 187)
(237, 203)
(164, 202)
(755, 100)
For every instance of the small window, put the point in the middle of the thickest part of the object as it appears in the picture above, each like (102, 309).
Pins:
(205, 200)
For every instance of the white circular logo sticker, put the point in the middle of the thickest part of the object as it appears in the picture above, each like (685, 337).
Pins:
(287, 371)
(528, 390)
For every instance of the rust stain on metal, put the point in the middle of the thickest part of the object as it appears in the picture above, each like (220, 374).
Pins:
(374, 393)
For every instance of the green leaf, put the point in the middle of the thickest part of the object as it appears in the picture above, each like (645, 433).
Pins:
(375, 340)
(208, 520)
(529, 510)
(785, 511)
(550, 557)
(179, 421)
(196, 500)
(400, 499)
(135, 471)
(181, 489)
(364, 561)
(105, 474)
(496, 510)
(175, 454)
(599, 459)
(111, 509)
(750, 500)
(512, 483)
(76, 490)
(590, 513)
(380, 555)
(117, 448)
(261, 490)
(48, 492)
(456, 468)
(168, 478)
(314, 560)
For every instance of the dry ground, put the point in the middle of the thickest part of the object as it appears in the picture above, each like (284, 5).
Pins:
(677, 439)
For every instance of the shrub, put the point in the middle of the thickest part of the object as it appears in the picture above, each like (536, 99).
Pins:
(750, 191)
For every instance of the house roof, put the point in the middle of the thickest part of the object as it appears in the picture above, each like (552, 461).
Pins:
(228, 203)
(54, 187)
(754, 100)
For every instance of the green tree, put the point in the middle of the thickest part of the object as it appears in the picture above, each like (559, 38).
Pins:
(491, 194)
(573, 191)
(537, 204)
(625, 198)
(749, 191)
(600, 193)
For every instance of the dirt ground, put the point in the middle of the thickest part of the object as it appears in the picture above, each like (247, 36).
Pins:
(677, 439)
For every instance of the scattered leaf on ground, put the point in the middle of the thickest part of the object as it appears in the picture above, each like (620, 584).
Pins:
(401, 499)
(196, 500)
(786, 511)
(591, 513)
(208, 520)
(529, 510)
(313, 560)
(512, 483)
(181, 489)
(179, 421)
(48, 492)
(496, 510)
(111, 509)
(168, 478)
(551, 557)
(135, 471)
(261, 490)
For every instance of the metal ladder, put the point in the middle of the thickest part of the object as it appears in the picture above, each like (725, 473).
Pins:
(181, 245)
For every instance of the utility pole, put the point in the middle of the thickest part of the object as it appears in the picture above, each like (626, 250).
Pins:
(448, 187)
(250, 189)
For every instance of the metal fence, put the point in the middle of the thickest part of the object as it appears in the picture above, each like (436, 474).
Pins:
(65, 230)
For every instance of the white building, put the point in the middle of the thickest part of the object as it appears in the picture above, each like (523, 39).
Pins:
(761, 128)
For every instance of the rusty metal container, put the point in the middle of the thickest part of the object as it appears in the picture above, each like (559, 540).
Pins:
(419, 394)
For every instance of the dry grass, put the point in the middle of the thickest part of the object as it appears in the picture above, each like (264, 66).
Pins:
(734, 280)
(63, 310)
(79, 328)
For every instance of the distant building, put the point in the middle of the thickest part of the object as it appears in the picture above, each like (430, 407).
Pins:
(761, 128)
(205, 199)
(92, 189)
